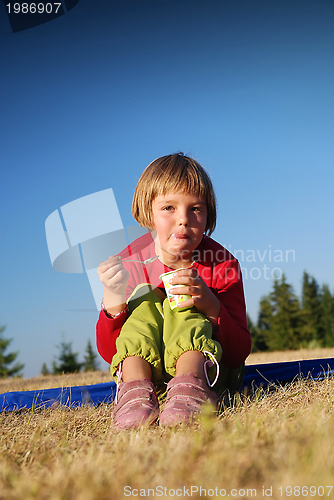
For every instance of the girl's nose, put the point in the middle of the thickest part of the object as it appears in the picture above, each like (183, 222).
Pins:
(183, 221)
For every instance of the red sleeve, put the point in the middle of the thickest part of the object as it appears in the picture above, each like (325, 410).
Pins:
(107, 331)
(233, 334)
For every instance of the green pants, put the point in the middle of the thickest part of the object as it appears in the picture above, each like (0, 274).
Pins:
(160, 335)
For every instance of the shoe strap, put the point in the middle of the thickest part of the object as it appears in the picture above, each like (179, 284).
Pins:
(119, 374)
(208, 364)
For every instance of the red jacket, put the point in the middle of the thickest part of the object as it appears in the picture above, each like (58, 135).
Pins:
(220, 271)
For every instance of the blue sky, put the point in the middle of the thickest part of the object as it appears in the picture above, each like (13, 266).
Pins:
(89, 99)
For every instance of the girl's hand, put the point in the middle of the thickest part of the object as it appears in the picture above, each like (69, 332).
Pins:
(202, 297)
(115, 279)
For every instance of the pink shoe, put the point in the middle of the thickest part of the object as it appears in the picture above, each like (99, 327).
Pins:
(186, 394)
(137, 404)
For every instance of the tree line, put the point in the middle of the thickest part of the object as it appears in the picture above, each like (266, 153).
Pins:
(66, 362)
(7, 368)
(285, 322)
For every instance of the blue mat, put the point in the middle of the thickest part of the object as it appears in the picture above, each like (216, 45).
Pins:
(67, 396)
(281, 373)
(73, 397)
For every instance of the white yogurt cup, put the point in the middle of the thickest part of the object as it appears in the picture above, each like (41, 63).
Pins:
(174, 300)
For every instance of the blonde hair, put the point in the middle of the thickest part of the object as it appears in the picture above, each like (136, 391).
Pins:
(173, 173)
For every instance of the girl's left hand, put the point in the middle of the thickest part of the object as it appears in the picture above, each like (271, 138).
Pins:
(202, 297)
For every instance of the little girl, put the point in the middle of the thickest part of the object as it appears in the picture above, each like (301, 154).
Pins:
(148, 343)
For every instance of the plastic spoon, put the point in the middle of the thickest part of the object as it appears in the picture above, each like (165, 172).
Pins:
(147, 261)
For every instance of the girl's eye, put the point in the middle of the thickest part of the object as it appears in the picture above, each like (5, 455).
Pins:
(167, 208)
(196, 209)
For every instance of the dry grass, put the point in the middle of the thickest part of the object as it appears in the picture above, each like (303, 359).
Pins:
(52, 381)
(273, 357)
(275, 439)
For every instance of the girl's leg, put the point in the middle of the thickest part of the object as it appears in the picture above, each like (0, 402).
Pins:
(135, 368)
(191, 361)
(139, 345)
(187, 336)
(138, 359)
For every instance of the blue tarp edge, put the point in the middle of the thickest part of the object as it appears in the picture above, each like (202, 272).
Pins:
(65, 396)
(255, 375)
(278, 373)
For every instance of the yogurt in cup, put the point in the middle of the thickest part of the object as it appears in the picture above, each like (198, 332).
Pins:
(174, 300)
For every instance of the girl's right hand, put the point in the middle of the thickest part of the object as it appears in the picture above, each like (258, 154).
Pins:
(113, 275)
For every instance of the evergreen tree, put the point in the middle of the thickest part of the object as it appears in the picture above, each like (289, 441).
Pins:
(90, 363)
(54, 368)
(45, 370)
(265, 315)
(6, 360)
(327, 316)
(265, 320)
(312, 330)
(280, 318)
(68, 362)
(258, 341)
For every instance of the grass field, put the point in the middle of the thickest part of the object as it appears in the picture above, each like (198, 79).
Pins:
(273, 357)
(275, 444)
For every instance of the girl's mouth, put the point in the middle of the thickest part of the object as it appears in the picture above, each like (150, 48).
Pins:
(180, 236)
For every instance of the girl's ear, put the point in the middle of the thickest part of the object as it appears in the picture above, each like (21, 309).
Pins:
(152, 219)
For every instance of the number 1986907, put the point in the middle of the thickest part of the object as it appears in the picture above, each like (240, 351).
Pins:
(33, 8)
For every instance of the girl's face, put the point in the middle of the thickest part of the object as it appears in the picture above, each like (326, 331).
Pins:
(179, 221)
